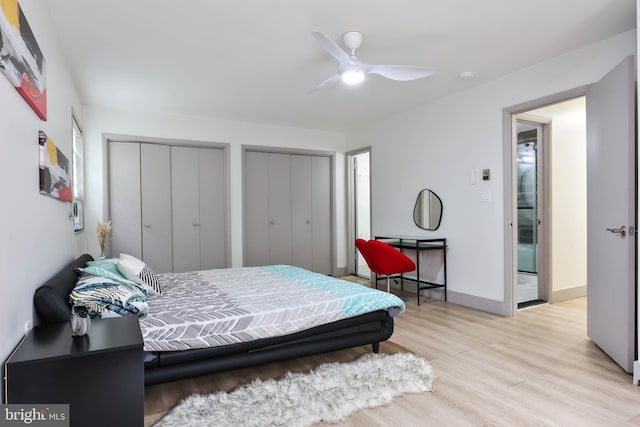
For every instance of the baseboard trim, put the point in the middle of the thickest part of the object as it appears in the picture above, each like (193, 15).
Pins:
(567, 294)
(484, 304)
(636, 373)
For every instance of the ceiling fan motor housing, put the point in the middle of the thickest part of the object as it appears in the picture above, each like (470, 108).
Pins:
(352, 40)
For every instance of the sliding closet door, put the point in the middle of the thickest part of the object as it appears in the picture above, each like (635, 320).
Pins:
(256, 209)
(321, 214)
(280, 250)
(124, 199)
(198, 208)
(155, 184)
(301, 212)
(311, 212)
(213, 209)
(185, 189)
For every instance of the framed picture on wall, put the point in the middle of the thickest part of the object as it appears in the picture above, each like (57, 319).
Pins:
(21, 59)
(55, 179)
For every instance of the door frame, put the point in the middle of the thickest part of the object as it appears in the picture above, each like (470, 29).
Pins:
(543, 185)
(510, 301)
(351, 204)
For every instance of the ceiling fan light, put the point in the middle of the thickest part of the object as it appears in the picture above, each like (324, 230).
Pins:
(353, 77)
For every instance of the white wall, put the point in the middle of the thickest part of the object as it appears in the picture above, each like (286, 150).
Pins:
(99, 121)
(36, 233)
(435, 146)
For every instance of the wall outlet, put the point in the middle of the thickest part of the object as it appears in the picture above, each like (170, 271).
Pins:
(27, 326)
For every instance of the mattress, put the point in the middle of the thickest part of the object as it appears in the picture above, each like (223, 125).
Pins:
(220, 307)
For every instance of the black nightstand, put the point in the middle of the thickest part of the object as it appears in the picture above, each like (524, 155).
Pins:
(100, 375)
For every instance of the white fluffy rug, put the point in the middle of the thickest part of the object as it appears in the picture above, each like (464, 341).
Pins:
(329, 393)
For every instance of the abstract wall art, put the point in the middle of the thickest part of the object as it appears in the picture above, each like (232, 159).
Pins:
(55, 176)
(21, 59)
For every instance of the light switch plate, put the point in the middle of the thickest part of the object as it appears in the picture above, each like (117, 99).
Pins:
(485, 196)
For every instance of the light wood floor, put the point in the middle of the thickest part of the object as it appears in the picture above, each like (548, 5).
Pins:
(535, 369)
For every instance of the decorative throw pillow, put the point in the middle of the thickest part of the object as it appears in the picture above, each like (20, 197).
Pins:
(110, 264)
(134, 269)
(105, 297)
(111, 277)
(104, 267)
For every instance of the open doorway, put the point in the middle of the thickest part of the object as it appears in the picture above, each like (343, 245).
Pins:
(359, 167)
(550, 188)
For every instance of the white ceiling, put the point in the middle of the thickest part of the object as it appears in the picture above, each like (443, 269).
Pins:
(255, 60)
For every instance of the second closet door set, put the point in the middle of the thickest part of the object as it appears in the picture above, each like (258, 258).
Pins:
(287, 207)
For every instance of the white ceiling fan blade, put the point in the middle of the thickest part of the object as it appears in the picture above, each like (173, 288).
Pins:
(332, 48)
(331, 80)
(401, 73)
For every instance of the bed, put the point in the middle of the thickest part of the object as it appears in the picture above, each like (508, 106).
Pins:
(241, 341)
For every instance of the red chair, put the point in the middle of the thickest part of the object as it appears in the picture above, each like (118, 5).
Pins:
(384, 259)
(361, 244)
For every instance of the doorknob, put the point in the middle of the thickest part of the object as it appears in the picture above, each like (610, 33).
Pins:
(622, 231)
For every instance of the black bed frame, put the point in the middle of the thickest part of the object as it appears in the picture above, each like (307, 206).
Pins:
(51, 301)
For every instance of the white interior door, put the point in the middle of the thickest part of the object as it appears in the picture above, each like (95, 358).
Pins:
(611, 214)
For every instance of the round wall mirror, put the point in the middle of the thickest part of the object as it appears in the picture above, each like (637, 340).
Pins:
(428, 210)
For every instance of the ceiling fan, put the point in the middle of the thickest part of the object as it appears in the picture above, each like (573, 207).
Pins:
(352, 71)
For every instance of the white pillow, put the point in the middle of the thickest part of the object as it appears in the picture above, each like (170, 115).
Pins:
(134, 269)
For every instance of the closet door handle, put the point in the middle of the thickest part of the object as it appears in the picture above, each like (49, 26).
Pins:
(147, 226)
(195, 224)
(622, 231)
(272, 222)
